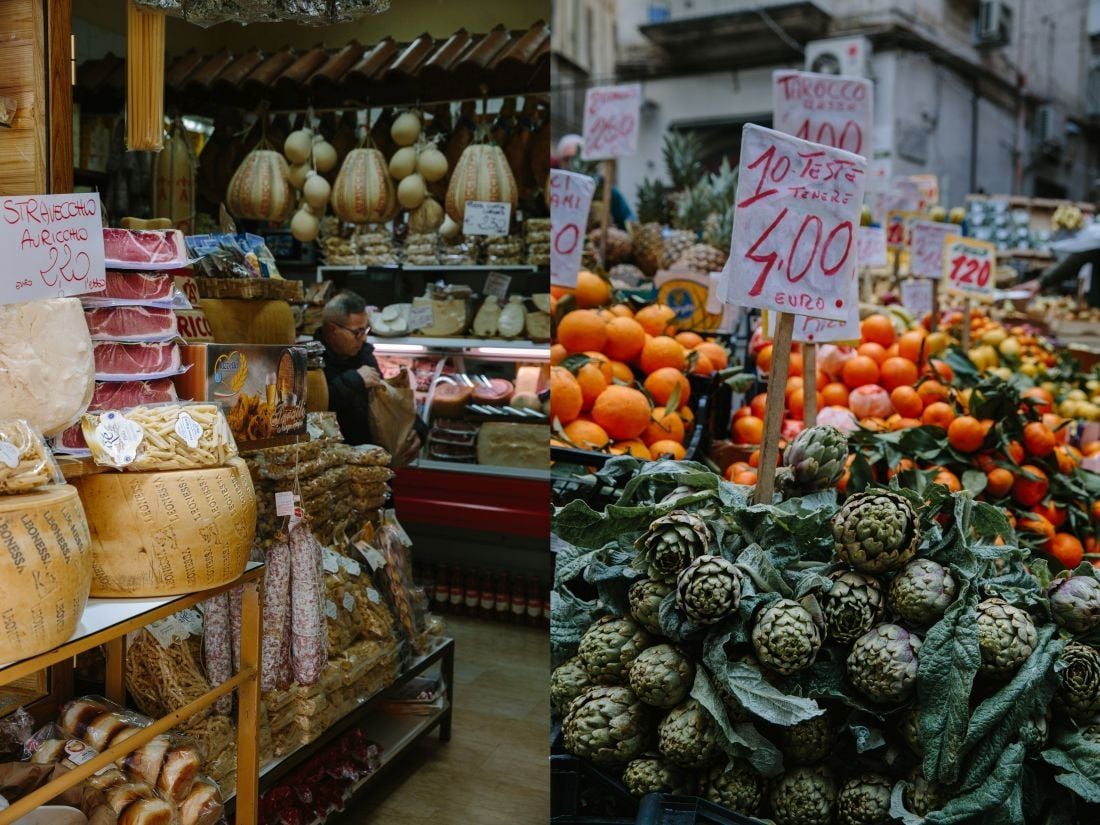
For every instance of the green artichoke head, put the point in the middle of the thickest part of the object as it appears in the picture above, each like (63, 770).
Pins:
(734, 784)
(1006, 637)
(651, 774)
(864, 800)
(853, 605)
(688, 736)
(568, 681)
(807, 742)
(1078, 670)
(877, 531)
(645, 598)
(815, 459)
(671, 543)
(1075, 603)
(921, 796)
(607, 726)
(804, 796)
(662, 676)
(883, 663)
(609, 646)
(910, 730)
(708, 589)
(922, 592)
(786, 637)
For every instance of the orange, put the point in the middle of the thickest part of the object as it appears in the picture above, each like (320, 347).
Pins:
(582, 329)
(859, 370)
(735, 468)
(764, 359)
(631, 447)
(998, 482)
(1037, 524)
(1091, 448)
(1038, 439)
(1016, 451)
(1067, 549)
(874, 424)
(794, 365)
(754, 458)
(797, 402)
(603, 362)
(592, 381)
(1043, 400)
(622, 371)
(748, 430)
(622, 411)
(622, 310)
(663, 427)
(625, 339)
(1095, 510)
(1051, 512)
(842, 485)
(1028, 492)
(1066, 461)
(566, 396)
(743, 411)
(878, 329)
(715, 353)
(938, 414)
(835, 394)
(911, 345)
(948, 479)
(942, 369)
(557, 354)
(932, 391)
(966, 433)
(1057, 426)
(876, 352)
(591, 290)
(689, 340)
(901, 467)
(606, 314)
(586, 435)
(898, 372)
(906, 401)
(904, 423)
(746, 477)
(559, 291)
(759, 403)
(793, 383)
(654, 318)
(703, 365)
(667, 449)
(662, 351)
(661, 383)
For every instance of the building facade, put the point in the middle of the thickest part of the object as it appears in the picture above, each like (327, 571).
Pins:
(583, 50)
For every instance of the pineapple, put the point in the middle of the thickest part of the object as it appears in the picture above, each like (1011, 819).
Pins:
(693, 206)
(701, 258)
(681, 153)
(652, 202)
(619, 244)
(648, 247)
(627, 274)
(675, 244)
(718, 230)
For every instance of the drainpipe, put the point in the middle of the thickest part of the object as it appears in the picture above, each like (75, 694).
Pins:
(975, 97)
(1021, 133)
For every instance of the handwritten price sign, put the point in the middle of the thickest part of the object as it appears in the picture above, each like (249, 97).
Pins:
(916, 296)
(968, 266)
(897, 229)
(871, 246)
(570, 199)
(926, 248)
(51, 245)
(611, 116)
(794, 235)
(809, 330)
(829, 109)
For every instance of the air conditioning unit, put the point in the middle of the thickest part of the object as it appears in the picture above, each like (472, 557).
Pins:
(1043, 125)
(839, 55)
(994, 24)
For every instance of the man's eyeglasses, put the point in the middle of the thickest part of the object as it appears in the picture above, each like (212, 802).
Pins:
(358, 332)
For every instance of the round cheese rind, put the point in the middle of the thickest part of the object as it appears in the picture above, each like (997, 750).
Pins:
(47, 371)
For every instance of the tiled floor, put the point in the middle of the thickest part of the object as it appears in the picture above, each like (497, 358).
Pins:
(495, 769)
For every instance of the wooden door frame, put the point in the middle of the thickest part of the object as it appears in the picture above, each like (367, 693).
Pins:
(59, 93)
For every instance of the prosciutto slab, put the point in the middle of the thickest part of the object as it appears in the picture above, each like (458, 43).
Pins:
(131, 323)
(147, 246)
(137, 286)
(121, 395)
(113, 358)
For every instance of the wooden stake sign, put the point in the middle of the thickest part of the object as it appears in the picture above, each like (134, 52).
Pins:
(809, 385)
(968, 267)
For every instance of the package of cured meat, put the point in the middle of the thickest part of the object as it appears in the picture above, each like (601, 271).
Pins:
(132, 323)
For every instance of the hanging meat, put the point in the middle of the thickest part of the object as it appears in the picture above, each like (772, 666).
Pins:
(517, 151)
(463, 133)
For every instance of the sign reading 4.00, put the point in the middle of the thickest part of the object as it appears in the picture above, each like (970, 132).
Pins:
(794, 237)
(969, 266)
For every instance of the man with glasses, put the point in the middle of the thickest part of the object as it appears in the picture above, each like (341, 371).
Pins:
(351, 369)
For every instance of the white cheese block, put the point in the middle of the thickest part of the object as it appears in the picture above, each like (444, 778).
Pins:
(503, 444)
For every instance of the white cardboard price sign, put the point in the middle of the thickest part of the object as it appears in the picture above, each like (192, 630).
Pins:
(794, 232)
(897, 229)
(969, 266)
(497, 283)
(570, 200)
(809, 330)
(487, 218)
(871, 246)
(51, 245)
(926, 247)
(916, 296)
(833, 110)
(420, 317)
(611, 115)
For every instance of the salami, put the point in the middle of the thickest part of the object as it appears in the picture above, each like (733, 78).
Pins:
(276, 647)
(218, 646)
(309, 637)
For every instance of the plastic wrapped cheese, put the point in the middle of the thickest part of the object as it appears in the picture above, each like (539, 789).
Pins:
(47, 372)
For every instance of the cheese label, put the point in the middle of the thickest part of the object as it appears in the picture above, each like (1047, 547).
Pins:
(420, 317)
(191, 619)
(189, 430)
(9, 454)
(168, 631)
(497, 283)
(78, 753)
(119, 436)
(284, 503)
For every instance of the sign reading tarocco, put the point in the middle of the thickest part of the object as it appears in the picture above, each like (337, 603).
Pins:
(833, 110)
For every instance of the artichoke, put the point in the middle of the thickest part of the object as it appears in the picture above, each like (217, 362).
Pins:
(807, 742)
(910, 730)
(609, 646)
(708, 589)
(671, 543)
(814, 461)
(735, 711)
(645, 598)
(921, 796)
(804, 796)
(1078, 671)
(651, 774)
(568, 681)
(1091, 733)
(1034, 733)
(853, 606)
(921, 592)
(785, 637)
(687, 736)
(883, 663)
(1006, 637)
(607, 726)
(864, 800)
(662, 676)
(1075, 603)
(876, 532)
(734, 784)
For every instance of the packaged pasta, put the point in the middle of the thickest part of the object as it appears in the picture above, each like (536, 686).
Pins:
(25, 461)
(162, 437)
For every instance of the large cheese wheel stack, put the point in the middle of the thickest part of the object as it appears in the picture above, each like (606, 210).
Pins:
(45, 570)
(166, 533)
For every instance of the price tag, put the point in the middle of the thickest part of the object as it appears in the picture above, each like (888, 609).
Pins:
(611, 116)
(168, 631)
(52, 246)
(794, 234)
(871, 246)
(928, 187)
(896, 236)
(926, 248)
(284, 503)
(497, 283)
(487, 218)
(916, 296)
(968, 266)
(119, 436)
(189, 430)
(808, 330)
(373, 558)
(570, 200)
(191, 619)
(9, 454)
(420, 317)
(832, 110)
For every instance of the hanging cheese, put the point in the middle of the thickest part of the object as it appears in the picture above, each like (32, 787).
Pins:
(364, 192)
(481, 174)
(161, 534)
(174, 181)
(45, 570)
(259, 189)
(316, 391)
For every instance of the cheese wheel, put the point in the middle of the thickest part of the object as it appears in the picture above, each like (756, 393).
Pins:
(162, 534)
(45, 570)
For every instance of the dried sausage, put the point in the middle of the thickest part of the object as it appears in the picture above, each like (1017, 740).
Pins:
(218, 646)
(309, 639)
(276, 646)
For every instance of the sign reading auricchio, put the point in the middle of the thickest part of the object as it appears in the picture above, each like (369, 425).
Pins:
(611, 116)
(51, 245)
(833, 110)
(570, 200)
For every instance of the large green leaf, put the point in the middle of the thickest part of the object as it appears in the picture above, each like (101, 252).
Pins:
(742, 740)
(1077, 763)
(1002, 786)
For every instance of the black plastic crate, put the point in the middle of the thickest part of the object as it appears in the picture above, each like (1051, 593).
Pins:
(661, 809)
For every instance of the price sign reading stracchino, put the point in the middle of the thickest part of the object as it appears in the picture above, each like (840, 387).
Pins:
(926, 247)
(570, 200)
(833, 110)
(871, 246)
(611, 115)
(968, 266)
(794, 237)
(52, 246)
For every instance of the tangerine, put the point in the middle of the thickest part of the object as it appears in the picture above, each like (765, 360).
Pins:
(906, 401)
(764, 359)
(689, 340)
(898, 372)
(654, 318)
(878, 329)
(557, 354)
(760, 402)
(1067, 549)
(591, 290)
(566, 396)
(859, 370)
(1066, 461)
(998, 482)
(1028, 492)
(664, 426)
(796, 403)
(1016, 451)
(1051, 512)
(911, 345)
(622, 372)
(625, 339)
(966, 433)
(1042, 400)
(582, 329)
(948, 479)
(715, 353)
(622, 310)
(794, 365)
(703, 365)
(748, 430)
(876, 352)
(661, 383)
(835, 394)
(745, 477)
(1038, 439)
(592, 381)
(662, 351)
(631, 447)
(1058, 426)
(938, 414)
(932, 391)
(1037, 524)
(667, 449)
(942, 369)
(587, 435)
(623, 411)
